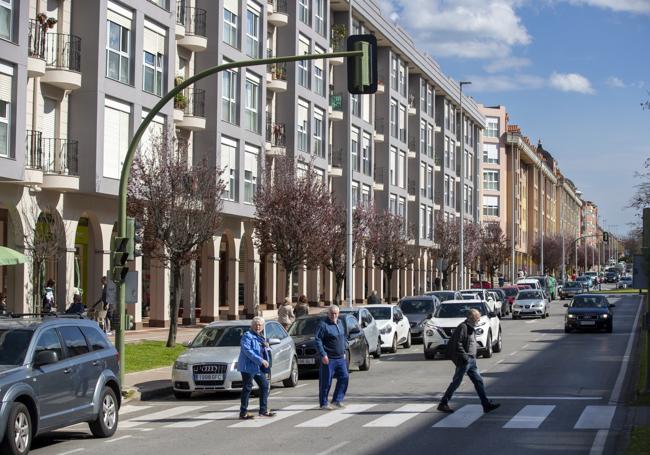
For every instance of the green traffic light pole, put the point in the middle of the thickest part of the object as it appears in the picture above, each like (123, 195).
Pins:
(130, 155)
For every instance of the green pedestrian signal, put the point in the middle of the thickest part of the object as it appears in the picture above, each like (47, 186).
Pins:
(119, 256)
(362, 69)
(606, 237)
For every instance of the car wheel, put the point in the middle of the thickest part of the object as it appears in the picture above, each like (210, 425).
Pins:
(499, 346)
(393, 347)
(377, 353)
(106, 423)
(365, 366)
(544, 315)
(567, 329)
(182, 395)
(429, 355)
(488, 349)
(292, 380)
(610, 328)
(18, 434)
(407, 343)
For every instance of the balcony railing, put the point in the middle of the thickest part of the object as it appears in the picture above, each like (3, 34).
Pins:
(192, 103)
(380, 174)
(278, 71)
(275, 132)
(336, 102)
(60, 156)
(193, 19)
(36, 39)
(280, 6)
(180, 12)
(34, 147)
(63, 51)
(336, 158)
(413, 187)
(379, 125)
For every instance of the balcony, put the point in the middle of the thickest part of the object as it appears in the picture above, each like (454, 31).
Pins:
(276, 77)
(33, 158)
(193, 21)
(379, 130)
(413, 190)
(62, 61)
(278, 13)
(335, 160)
(336, 107)
(381, 88)
(276, 138)
(192, 103)
(60, 164)
(338, 38)
(380, 174)
(412, 108)
(36, 48)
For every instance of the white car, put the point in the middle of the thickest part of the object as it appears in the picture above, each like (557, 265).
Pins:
(487, 296)
(210, 363)
(625, 282)
(530, 302)
(449, 315)
(394, 327)
(532, 282)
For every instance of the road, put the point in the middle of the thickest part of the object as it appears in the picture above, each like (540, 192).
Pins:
(559, 393)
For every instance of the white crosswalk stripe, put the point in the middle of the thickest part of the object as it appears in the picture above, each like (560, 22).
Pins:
(202, 419)
(281, 414)
(129, 409)
(156, 416)
(399, 416)
(595, 418)
(333, 417)
(462, 418)
(530, 416)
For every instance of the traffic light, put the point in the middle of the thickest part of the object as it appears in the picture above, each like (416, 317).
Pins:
(119, 256)
(606, 237)
(138, 238)
(362, 70)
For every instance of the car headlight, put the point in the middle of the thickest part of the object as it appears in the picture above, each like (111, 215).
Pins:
(479, 331)
(604, 316)
(429, 333)
(178, 365)
(234, 366)
(385, 329)
(571, 316)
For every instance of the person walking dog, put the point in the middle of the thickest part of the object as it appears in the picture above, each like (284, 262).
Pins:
(462, 351)
(253, 364)
(331, 344)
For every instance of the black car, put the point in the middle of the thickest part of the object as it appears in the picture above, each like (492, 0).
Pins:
(611, 277)
(303, 331)
(589, 311)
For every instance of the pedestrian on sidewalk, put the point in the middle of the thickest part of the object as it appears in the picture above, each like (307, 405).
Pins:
(302, 308)
(331, 344)
(461, 350)
(48, 297)
(77, 306)
(373, 298)
(254, 364)
(285, 314)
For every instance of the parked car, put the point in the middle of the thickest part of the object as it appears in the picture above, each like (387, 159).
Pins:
(511, 294)
(449, 315)
(589, 311)
(532, 282)
(417, 309)
(368, 326)
(443, 296)
(625, 282)
(481, 285)
(521, 286)
(503, 298)
(210, 362)
(482, 294)
(586, 281)
(611, 276)
(594, 277)
(394, 327)
(531, 302)
(500, 301)
(570, 289)
(56, 371)
(303, 331)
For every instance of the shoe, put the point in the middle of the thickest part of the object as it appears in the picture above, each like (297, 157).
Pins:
(247, 416)
(326, 407)
(338, 405)
(490, 407)
(267, 414)
(444, 407)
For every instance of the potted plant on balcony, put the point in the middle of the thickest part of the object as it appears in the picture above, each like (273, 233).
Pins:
(339, 33)
(180, 101)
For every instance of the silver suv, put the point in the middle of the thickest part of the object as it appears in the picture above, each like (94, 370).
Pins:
(55, 371)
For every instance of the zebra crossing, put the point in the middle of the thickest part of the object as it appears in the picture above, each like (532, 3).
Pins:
(527, 416)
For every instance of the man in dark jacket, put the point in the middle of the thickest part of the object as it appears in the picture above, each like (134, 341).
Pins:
(462, 351)
(332, 343)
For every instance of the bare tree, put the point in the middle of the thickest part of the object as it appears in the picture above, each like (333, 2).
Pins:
(495, 249)
(293, 216)
(641, 197)
(388, 241)
(632, 241)
(447, 254)
(552, 252)
(179, 206)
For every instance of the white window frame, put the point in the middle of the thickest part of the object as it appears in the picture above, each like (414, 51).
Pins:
(355, 145)
(402, 122)
(430, 140)
(489, 209)
(319, 72)
(229, 175)
(304, 11)
(319, 133)
(303, 65)
(319, 17)
(302, 131)
(253, 40)
(6, 120)
(231, 28)
(491, 179)
(492, 127)
(488, 157)
(8, 5)
(366, 154)
(394, 69)
(251, 155)
(229, 96)
(158, 71)
(392, 166)
(252, 102)
(394, 114)
(121, 54)
(401, 168)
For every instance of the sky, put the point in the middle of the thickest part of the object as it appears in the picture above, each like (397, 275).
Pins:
(571, 73)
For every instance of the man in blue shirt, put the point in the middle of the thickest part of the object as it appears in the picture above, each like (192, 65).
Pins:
(331, 343)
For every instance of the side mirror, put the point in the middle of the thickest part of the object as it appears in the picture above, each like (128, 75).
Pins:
(492, 314)
(274, 341)
(566, 305)
(187, 344)
(45, 358)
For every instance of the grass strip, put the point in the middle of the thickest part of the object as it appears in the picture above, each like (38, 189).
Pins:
(639, 441)
(147, 355)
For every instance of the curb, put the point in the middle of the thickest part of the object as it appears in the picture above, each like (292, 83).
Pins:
(146, 395)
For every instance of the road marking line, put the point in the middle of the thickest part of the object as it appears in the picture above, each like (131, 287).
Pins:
(281, 414)
(499, 361)
(333, 417)
(130, 409)
(399, 416)
(202, 419)
(299, 386)
(335, 448)
(167, 413)
(524, 346)
(595, 418)
(513, 352)
(599, 442)
(118, 439)
(462, 418)
(276, 393)
(462, 396)
(72, 451)
(531, 416)
(532, 321)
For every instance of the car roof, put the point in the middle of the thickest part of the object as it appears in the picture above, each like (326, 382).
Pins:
(33, 322)
(381, 305)
(417, 297)
(242, 322)
(461, 301)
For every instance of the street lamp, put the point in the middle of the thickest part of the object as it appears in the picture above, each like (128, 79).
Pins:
(462, 187)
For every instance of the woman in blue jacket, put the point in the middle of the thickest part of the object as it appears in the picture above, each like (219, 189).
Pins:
(254, 364)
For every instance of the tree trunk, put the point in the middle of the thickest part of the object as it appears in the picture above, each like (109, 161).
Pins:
(287, 278)
(337, 294)
(445, 279)
(36, 271)
(389, 278)
(173, 316)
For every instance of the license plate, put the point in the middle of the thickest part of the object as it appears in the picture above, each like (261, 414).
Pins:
(587, 322)
(208, 377)
(306, 361)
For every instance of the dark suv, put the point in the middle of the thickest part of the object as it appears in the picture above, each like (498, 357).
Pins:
(54, 372)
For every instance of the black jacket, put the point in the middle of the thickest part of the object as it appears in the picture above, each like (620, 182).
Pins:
(458, 347)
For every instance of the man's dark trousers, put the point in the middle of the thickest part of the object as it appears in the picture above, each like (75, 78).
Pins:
(336, 368)
(471, 369)
(247, 387)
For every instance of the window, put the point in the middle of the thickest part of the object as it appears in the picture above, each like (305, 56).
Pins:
(354, 148)
(430, 140)
(401, 208)
(49, 341)
(251, 154)
(490, 205)
(492, 128)
(423, 136)
(447, 190)
(229, 167)
(447, 152)
(365, 108)
(229, 95)
(252, 106)
(366, 163)
(319, 134)
(470, 166)
(303, 65)
(491, 180)
(319, 78)
(117, 122)
(452, 192)
(355, 194)
(75, 343)
(452, 155)
(402, 123)
(253, 30)
(447, 118)
(118, 44)
(303, 126)
(490, 153)
(319, 16)
(430, 100)
(152, 135)
(393, 118)
(96, 339)
(466, 163)
(466, 200)
(153, 60)
(6, 89)
(423, 222)
(365, 195)
(430, 175)
(394, 64)
(402, 79)
(6, 19)
(356, 104)
(423, 179)
(429, 223)
(392, 204)
(393, 166)
(423, 95)
(401, 175)
(231, 24)
(304, 11)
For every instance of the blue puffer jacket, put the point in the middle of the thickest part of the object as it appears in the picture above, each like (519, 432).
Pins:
(251, 354)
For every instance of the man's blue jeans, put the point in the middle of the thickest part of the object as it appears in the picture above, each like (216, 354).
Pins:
(247, 387)
(471, 369)
(336, 368)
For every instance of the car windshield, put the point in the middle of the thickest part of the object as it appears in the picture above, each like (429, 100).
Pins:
(212, 337)
(572, 284)
(589, 301)
(458, 310)
(444, 296)
(470, 297)
(582, 278)
(527, 295)
(416, 306)
(511, 291)
(13, 345)
(380, 313)
(306, 326)
(542, 281)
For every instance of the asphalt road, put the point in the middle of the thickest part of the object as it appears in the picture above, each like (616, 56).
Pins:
(559, 393)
